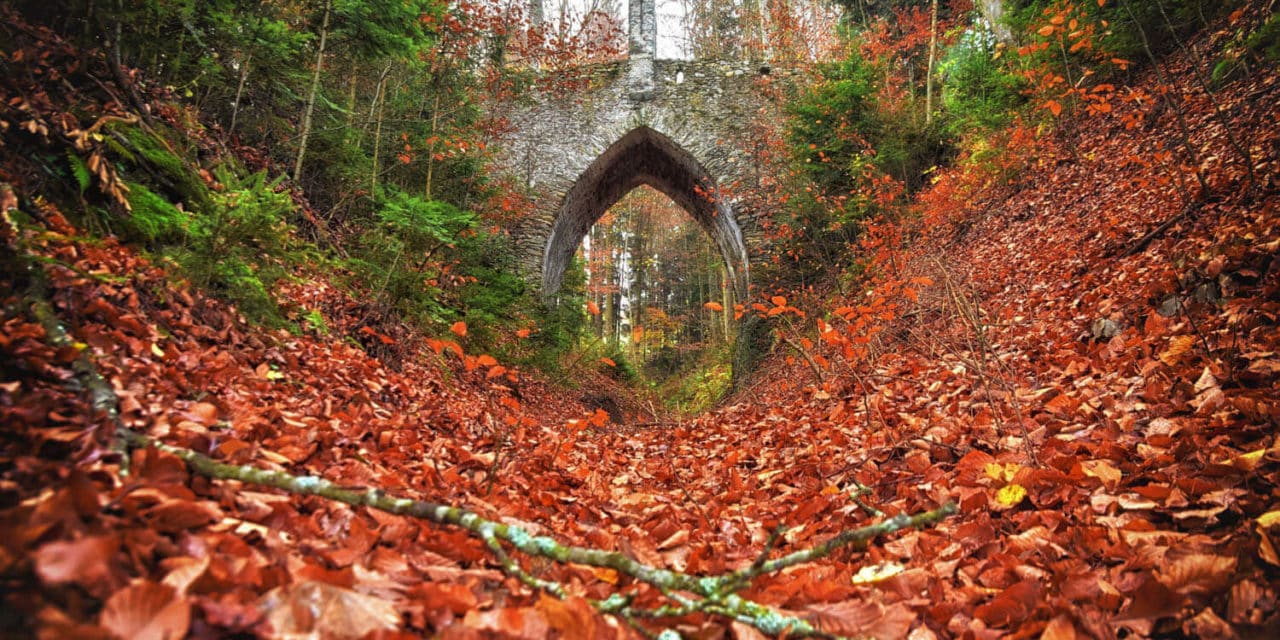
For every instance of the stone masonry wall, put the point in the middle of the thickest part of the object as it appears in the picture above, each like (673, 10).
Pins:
(703, 107)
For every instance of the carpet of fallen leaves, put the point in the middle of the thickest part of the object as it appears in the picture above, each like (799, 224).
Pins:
(1100, 400)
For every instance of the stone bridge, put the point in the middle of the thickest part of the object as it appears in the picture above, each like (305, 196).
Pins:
(679, 126)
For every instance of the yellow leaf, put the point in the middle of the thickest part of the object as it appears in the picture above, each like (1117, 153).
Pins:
(1269, 519)
(1248, 461)
(877, 572)
(155, 349)
(1011, 494)
(1003, 473)
(1177, 346)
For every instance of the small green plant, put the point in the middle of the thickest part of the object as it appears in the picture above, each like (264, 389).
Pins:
(79, 171)
(314, 321)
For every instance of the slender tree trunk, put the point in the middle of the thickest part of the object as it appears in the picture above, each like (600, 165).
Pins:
(726, 301)
(933, 54)
(311, 98)
(235, 104)
(431, 149)
(379, 103)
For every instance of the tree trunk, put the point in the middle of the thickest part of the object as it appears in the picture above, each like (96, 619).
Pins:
(431, 149)
(235, 105)
(379, 104)
(933, 54)
(311, 98)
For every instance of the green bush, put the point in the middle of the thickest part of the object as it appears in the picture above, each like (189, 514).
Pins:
(831, 126)
(1266, 40)
(237, 249)
(494, 299)
(978, 91)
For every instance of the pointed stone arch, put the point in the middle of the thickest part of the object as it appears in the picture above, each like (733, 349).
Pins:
(642, 156)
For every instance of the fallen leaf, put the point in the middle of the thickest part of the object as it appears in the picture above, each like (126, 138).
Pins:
(310, 607)
(147, 611)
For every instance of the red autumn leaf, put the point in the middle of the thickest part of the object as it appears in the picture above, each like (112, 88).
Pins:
(173, 516)
(574, 618)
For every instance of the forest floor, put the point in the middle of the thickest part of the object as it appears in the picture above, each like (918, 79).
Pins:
(1089, 369)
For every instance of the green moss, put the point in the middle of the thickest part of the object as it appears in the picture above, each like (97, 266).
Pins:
(152, 218)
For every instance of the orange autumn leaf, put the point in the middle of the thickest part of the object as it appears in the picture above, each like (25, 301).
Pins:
(593, 308)
(523, 333)
(459, 328)
(778, 301)
(609, 362)
(147, 611)
(714, 306)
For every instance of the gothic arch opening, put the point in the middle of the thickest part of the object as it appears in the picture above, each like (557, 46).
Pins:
(642, 157)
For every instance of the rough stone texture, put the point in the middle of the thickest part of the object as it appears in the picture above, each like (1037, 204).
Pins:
(676, 125)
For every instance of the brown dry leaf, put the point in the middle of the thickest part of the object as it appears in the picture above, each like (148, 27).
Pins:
(174, 516)
(84, 561)
(308, 607)
(745, 631)
(863, 618)
(186, 571)
(525, 622)
(1197, 574)
(1266, 548)
(1208, 626)
(1102, 470)
(147, 611)
(1059, 628)
(574, 618)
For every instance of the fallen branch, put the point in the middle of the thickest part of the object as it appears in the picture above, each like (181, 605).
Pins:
(689, 594)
